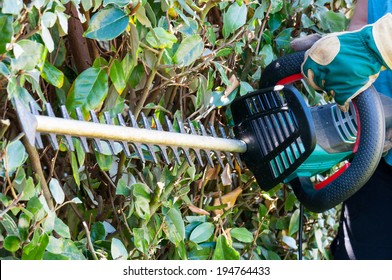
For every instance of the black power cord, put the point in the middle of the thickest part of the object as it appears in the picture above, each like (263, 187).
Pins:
(300, 230)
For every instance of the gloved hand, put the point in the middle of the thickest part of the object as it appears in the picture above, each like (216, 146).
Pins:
(346, 63)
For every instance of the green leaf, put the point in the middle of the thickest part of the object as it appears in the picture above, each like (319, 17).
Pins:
(107, 24)
(224, 52)
(75, 169)
(36, 248)
(118, 250)
(222, 73)
(141, 239)
(142, 200)
(224, 251)
(12, 7)
(120, 3)
(202, 232)
(159, 38)
(218, 98)
(294, 225)
(289, 241)
(11, 243)
(61, 228)
(57, 191)
(9, 225)
(122, 188)
(267, 55)
(71, 251)
(242, 234)
(117, 76)
(175, 226)
(57, 257)
(15, 156)
(88, 91)
(189, 50)
(276, 6)
(97, 232)
(234, 18)
(334, 22)
(52, 75)
(245, 88)
(28, 54)
(105, 162)
(283, 39)
(6, 31)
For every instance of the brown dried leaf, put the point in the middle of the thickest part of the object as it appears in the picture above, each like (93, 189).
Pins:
(234, 83)
(198, 210)
(229, 199)
(226, 175)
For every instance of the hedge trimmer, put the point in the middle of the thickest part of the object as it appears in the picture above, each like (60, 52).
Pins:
(279, 138)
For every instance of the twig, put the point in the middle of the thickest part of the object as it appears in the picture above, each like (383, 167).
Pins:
(37, 168)
(13, 203)
(263, 27)
(149, 82)
(89, 242)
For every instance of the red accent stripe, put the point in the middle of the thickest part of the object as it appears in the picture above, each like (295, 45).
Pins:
(331, 178)
(290, 79)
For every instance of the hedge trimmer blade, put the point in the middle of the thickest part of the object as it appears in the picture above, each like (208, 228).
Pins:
(191, 138)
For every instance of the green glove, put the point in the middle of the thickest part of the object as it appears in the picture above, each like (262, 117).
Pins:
(345, 64)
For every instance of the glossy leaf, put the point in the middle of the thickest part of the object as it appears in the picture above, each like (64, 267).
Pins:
(15, 156)
(11, 243)
(107, 24)
(28, 55)
(97, 232)
(61, 228)
(6, 31)
(36, 248)
(118, 250)
(202, 232)
(52, 75)
(189, 50)
(224, 251)
(141, 239)
(234, 18)
(159, 38)
(120, 3)
(57, 191)
(12, 7)
(88, 91)
(175, 226)
(117, 76)
(242, 234)
(294, 224)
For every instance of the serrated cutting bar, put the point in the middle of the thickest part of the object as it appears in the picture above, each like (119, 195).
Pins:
(148, 137)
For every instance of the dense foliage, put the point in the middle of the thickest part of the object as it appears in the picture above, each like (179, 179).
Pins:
(186, 59)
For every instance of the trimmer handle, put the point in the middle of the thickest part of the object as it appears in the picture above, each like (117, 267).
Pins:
(368, 148)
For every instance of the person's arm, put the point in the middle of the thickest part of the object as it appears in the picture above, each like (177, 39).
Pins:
(360, 16)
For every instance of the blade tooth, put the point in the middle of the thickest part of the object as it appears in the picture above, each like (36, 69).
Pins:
(108, 120)
(218, 155)
(186, 151)
(207, 152)
(174, 149)
(139, 151)
(133, 119)
(123, 143)
(96, 141)
(145, 121)
(68, 138)
(137, 146)
(149, 146)
(38, 140)
(162, 147)
(227, 154)
(197, 151)
(52, 136)
(83, 140)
